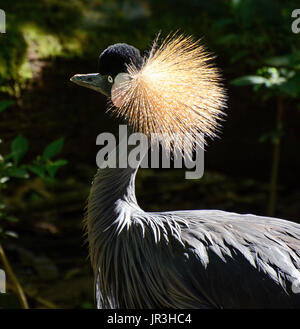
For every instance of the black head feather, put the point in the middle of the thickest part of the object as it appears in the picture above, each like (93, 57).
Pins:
(113, 60)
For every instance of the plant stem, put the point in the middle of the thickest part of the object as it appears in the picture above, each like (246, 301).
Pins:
(275, 161)
(8, 269)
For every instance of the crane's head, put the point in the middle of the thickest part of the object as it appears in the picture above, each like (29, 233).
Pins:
(113, 63)
(174, 91)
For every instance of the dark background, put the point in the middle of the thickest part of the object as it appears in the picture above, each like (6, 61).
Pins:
(48, 41)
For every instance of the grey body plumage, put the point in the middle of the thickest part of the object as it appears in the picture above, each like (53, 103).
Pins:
(186, 259)
(181, 259)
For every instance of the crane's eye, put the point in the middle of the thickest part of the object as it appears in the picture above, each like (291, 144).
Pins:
(110, 79)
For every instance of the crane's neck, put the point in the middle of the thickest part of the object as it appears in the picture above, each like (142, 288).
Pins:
(112, 199)
(113, 185)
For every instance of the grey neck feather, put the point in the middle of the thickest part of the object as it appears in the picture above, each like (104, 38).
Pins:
(111, 198)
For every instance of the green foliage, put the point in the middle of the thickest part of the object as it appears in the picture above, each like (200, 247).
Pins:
(5, 104)
(247, 32)
(291, 60)
(53, 149)
(43, 166)
(277, 76)
(256, 33)
(39, 29)
(249, 80)
(19, 147)
(291, 87)
(282, 80)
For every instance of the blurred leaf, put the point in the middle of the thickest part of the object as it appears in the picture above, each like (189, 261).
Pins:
(53, 149)
(53, 167)
(272, 76)
(52, 170)
(286, 60)
(19, 147)
(37, 169)
(227, 39)
(12, 219)
(221, 23)
(291, 86)
(2, 205)
(59, 163)
(257, 87)
(17, 172)
(3, 180)
(238, 55)
(248, 80)
(87, 305)
(235, 3)
(278, 61)
(5, 104)
(11, 234)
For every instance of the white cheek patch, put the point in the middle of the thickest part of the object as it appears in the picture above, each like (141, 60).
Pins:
(118, 89)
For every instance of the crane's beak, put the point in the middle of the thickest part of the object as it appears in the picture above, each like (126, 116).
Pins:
(93, 81)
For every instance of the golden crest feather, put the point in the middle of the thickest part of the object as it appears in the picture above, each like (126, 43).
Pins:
(176, 93)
